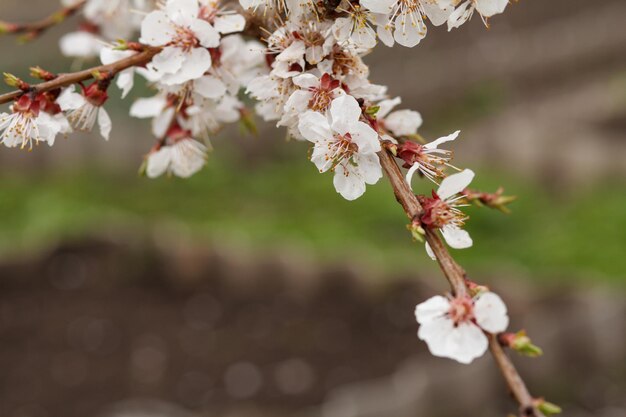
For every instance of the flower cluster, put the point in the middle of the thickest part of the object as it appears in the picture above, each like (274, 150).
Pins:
(305, 68)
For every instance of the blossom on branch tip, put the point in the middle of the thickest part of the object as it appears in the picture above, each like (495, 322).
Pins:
(343, 144)
(454, 327)
(29, 121)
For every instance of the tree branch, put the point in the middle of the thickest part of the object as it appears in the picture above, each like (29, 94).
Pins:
(63, 80)
(456, 277)
(34, 29)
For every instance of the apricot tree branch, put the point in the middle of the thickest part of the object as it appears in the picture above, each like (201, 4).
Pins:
(63, 80)
(34, 29)
(456, 277)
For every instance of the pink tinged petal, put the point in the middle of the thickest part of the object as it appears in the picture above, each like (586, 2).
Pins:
(379, 6)
(148, 107)
(404, 122)
(104, 123)
(156, 29)
(197, 62)
(455, 183)
(209, 87)
(230, 23)
(429, 252)
(488, 8)
(314, 127)
(434, 144)
(369, 167)
(465, 343)
(365, 138)
(455, 237)
(348, 183)
(206, 34)
(168, 61)
(182, 12)
(158, 162)
(345, 111)
(491, 313)
(431, 309)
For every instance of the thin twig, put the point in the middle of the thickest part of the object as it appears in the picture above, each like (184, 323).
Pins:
(456, 277)
(63, 80)
(35, 29)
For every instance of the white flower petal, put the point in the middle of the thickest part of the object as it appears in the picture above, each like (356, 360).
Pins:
(156, 29)
(158, 162)
(455, 183)
(345, 111)
(432, 308)
(104, 123)
(314, 127)
(491, 313)
(455, 237)
(435, 143)
(148, 107)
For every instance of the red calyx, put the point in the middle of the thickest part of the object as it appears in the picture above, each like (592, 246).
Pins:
(328, 83)
(95, 94)
(409, 152)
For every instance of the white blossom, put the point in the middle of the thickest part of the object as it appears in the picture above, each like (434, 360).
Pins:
(184, 37)
(454, 328)
(442, 211)
(345, 145)
(83, 112)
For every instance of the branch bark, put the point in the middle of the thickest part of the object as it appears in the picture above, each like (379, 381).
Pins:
(34, 29)
(456, 277)
(63, 80)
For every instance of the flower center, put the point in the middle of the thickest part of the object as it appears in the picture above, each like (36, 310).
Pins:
(186, 39)
(438, 213)
(461, 310)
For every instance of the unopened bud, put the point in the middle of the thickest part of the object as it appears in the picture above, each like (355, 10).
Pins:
(547, 408)
(372, 110)
(417, 231)
(247, 123)
(476, 289)
(12, 81)
(41, 74)
(521, 343)
(495, 200)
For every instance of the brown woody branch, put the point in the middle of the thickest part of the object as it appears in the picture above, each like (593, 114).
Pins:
(456, 277)
(63, 80)
(34, 29)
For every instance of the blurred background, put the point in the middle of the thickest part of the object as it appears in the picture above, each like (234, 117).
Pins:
(253, 289)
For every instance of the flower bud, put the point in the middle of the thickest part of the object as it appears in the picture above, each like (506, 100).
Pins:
(417, 231)
(41, 74)
(547, 408)
(12, 81)
(521, 343)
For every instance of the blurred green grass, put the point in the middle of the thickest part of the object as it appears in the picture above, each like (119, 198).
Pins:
(285, 202)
